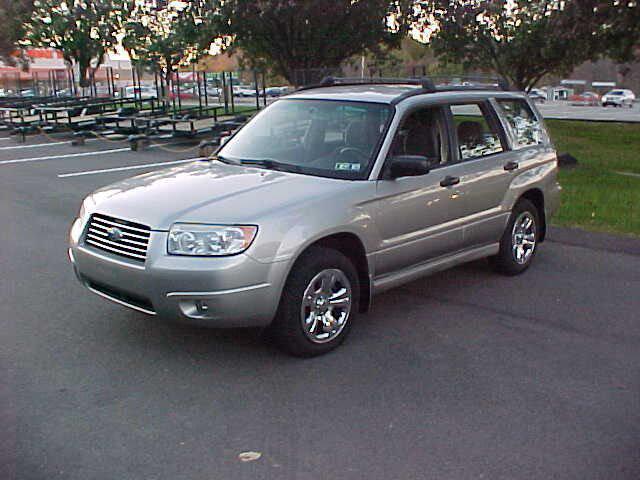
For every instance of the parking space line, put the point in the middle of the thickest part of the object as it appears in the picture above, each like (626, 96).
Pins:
(69, 155)
(121, 169)
(37, 145)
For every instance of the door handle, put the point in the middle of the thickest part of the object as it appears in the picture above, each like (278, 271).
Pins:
(449, 181)
(509, 166)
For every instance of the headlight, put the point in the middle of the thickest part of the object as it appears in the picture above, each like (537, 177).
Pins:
(209, 240)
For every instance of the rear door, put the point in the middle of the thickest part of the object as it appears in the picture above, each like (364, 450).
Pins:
(485, 167)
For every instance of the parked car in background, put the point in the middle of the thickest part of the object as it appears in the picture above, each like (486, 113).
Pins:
(324, 199)
(143, 91)
(276, 91)
(181, 96)
(586, 99)
(619, 98)
(537, 95)
(244, 91)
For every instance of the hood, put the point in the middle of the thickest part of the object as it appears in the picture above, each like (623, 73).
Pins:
(209, 192)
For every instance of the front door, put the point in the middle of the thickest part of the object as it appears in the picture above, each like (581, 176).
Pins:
(417, 216)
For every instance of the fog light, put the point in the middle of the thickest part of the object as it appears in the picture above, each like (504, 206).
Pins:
(202, 307)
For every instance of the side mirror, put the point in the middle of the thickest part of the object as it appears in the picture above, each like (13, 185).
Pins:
(408, 166)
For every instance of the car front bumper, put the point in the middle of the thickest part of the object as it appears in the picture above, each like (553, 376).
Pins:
(617, 101)
(234, 291)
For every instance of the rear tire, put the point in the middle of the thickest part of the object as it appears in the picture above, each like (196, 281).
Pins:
(519, 242)
(318, 304)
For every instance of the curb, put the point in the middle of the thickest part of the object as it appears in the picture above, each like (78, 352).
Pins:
(594, 240)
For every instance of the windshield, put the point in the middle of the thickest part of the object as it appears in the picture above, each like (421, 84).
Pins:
(315, 137)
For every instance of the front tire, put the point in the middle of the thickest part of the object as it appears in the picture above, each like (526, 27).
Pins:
(519, 242)
(319, 302)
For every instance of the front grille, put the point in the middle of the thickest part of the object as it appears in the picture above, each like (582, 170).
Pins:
(118, 237)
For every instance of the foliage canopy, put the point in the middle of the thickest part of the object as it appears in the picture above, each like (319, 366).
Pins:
(82, 30)
(308, 36)
(524, 40)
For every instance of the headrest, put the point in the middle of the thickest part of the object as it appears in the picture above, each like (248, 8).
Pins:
(360, 133)
(470, 132)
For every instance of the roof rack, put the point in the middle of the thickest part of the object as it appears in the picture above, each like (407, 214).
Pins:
(424, 82)
(427, 84)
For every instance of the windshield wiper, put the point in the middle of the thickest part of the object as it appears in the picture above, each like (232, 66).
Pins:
(270, 164)
(222, 159)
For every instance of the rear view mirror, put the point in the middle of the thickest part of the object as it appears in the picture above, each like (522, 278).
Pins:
(408, 166)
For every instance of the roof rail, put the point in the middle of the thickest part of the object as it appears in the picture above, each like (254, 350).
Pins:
(427, 84)
(472, 80)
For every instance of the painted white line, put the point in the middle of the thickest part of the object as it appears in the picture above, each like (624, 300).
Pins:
(70, 155)
(121, 169)
(18, 147)
(37, 145)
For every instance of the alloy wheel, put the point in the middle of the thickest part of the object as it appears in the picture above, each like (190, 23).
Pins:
(326, 305)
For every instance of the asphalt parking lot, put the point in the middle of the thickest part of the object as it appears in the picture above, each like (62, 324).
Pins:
(566, 111)
(462, 375)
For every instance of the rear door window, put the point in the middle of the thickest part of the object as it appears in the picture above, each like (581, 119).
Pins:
(526, 128)
(478, 136)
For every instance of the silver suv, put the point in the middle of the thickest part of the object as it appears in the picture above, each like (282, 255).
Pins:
(327, 197)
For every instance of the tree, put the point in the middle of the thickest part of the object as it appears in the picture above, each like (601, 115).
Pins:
(164, 39)
(308, 35)
(13, 14)
(623, 34)
(524, 40)
(82, 30)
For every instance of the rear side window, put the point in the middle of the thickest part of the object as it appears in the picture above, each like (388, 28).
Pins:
(477, 135)
(525, 126)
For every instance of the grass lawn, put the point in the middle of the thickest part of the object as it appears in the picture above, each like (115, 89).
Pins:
(595, 197)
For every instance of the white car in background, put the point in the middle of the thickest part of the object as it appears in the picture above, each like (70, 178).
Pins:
(619, 98)
(143, 92)
(244, 91)
(537, 95)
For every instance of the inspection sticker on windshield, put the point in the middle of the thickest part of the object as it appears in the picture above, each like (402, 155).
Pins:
(347, 166)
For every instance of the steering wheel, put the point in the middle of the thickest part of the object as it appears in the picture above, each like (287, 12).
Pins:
(353, 151)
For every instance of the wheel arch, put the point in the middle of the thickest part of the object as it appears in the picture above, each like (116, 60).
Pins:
(535, 196)
(351, 246)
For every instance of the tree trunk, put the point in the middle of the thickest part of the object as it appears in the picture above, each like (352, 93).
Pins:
(83, 79)
(520, 84)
